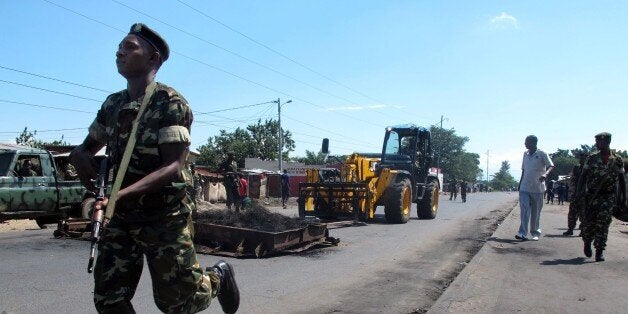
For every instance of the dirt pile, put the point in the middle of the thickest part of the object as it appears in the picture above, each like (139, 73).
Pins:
(256, 217)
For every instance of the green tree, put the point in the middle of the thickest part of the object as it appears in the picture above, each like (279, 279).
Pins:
(311, 158)
(28, 138)
(503, 180)
(563, 160)
(258, 140)
(450, 155)
(265, 137)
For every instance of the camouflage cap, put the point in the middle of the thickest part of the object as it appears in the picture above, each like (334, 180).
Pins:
(153, 38)
(603, 136)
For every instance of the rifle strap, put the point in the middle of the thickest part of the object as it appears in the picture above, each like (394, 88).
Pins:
(128, 150)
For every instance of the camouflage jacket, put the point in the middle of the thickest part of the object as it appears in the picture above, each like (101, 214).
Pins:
(167, 119)
(603, 176)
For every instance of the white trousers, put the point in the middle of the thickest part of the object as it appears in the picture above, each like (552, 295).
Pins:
(530, 205)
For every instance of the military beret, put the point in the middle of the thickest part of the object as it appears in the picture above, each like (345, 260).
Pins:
(153, 38)
(603, 136)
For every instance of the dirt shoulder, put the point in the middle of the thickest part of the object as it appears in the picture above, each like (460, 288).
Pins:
(18, 225)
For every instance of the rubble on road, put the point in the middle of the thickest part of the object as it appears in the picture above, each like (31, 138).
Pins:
(256, 217)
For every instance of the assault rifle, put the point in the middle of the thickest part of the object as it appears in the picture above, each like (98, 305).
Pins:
(98, 216)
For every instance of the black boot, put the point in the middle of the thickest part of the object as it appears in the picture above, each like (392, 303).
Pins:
(587, 249)
(599, 255)
(568, 232)
(228, 294)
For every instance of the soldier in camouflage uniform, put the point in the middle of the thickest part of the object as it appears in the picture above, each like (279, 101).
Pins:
(27, 169)
(229, 168)
(575, 206)
(601, 173)
(152, 216)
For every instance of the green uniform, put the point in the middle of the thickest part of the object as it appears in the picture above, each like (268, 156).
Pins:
(155, 225)
(229, 168)
(601, 180)
(575, 206)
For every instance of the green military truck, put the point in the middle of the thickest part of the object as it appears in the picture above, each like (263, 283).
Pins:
(34, 184)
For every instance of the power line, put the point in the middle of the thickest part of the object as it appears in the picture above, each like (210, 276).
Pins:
(237, 54)
(87, 17)
(42, 106)
(233, 108)
(43, 131)
(54, 79)
(331, 139)
(328, 131)
(221, 70)
(285, 56)
(48, 90)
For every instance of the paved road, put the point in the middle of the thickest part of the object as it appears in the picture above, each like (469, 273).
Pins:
(376, 268)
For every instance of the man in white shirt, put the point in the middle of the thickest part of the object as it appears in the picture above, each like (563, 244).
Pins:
(535, 167)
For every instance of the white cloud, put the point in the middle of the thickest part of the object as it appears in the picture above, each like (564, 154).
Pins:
(504, 20)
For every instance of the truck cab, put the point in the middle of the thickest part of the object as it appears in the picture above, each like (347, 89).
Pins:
(408, 148)
(32, 187)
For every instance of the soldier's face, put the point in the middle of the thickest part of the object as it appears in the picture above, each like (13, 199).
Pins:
(601, 144)
(133, 57)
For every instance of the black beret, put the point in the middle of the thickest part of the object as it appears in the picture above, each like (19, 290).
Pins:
(153, 38)
(603, 136)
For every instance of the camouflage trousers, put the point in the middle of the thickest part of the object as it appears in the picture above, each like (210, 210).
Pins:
(231, 189)
(575, 213)
(179, 285)
(598, 217)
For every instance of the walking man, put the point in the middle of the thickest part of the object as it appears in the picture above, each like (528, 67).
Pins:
(285, 188)
(575, 205)
(535, 168)
(146, 129)
(601, 172)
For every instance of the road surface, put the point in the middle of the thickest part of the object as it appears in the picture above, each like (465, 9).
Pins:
(378, 268)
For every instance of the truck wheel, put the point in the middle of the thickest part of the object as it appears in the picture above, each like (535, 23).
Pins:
(86, 207)
(398, 202)
(42, 221)
(428, 206)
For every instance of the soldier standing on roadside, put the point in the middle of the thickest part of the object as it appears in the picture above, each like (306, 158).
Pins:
(152, 218)
(575, 206)
(453, 190)
(229, 168)
(601, 172)
(198, 183)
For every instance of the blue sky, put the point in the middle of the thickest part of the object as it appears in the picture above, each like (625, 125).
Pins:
(495, 71)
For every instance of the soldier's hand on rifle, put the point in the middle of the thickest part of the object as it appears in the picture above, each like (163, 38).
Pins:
(99, 210)
(101, 204)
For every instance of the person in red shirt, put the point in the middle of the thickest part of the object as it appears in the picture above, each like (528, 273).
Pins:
(243, 186)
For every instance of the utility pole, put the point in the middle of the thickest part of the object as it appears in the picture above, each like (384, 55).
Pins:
(280, 133)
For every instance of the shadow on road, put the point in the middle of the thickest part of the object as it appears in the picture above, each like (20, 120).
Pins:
(573, 261)
(500, 240)
(560, 235)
